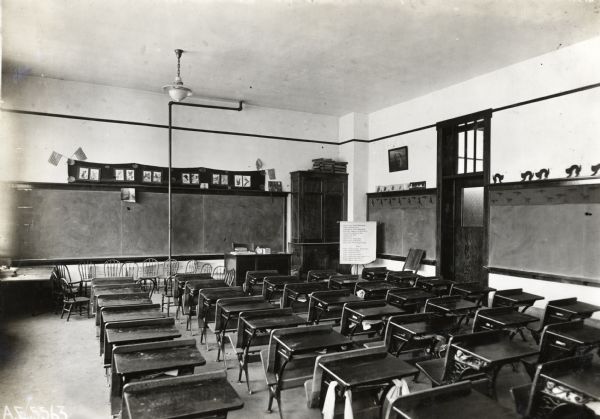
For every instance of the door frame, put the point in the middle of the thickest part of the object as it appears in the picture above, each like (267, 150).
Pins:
(446, 174)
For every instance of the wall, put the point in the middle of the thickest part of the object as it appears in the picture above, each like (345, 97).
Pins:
(551, 134)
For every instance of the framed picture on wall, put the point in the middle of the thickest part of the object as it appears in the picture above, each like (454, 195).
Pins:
(156, 177)
(119, 174)
(95, 174)
(185, 178)
(195, 179)
(204, 185)
(246, 181)
(216, 179)
(238, 181)
(130, 175)
(224, 179)
(84, 173)
(398, 159)
(147, 176)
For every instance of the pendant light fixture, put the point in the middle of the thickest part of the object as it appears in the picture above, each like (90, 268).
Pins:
(177, 90)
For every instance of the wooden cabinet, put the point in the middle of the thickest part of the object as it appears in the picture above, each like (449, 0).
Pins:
(319, 202)
(253, 262)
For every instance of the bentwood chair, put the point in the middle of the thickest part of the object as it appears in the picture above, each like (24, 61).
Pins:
(192, 266)
(129, 269)
(148, 276)
(170, 270)
(230, 278)
(112, 267)
(206, 268)
(87, 271)
(71, 299)
(219, 272)
(63, 273)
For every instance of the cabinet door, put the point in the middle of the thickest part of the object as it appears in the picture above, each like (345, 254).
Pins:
(311, 204)
(333, 211)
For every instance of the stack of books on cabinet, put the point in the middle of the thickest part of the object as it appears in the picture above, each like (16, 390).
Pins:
(329, 166)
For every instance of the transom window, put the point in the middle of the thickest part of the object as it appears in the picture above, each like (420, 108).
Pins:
(470, 147)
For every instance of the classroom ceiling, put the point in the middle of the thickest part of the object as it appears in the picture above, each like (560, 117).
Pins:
(321, 56)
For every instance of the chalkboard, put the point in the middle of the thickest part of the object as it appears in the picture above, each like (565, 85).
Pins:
(403, 222)
(81, 223)
(552, 230)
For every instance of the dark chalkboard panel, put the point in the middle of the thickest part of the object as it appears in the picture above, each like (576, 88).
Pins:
(553, 230)
(56, 223)
(404, 221)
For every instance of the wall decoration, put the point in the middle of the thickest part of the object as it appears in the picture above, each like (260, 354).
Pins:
(528, 175)
(156, 176)
(216, 179)
(128, 194)
(542, 172)
(147, 176)
(275, 186)
(95, 174)
(204, 185)
(119, 175)
(595, 169)
(498, 178)
(224, 179)
(130, 175)
(185, 178)
(195, 179)
(417, 185)
(246, 181)
(398, 159)
(574, 169)
(84, 173)
(238, 179)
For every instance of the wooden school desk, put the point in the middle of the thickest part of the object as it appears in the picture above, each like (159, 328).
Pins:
(324, 303)
(356, 313)
(515, 298)
(585, 381)
(120, 300)
(110, 280)
(453, 401)
(436, 286)
(402, 278)
(493, 349)
(144, 359)
(472, 291)
(298, 294)
(377, 369)
(255, 278)
(127, 313)
(192, 396)
(243, 263)
(340, 282)
(374, 290)
(275, 284)
(406, 298)
(508, 318)
(456, 306)
(574, 337)
(32, 277)
(404, 330)
(573, 309)
(191, 289)
(104, 290)
(137, 331)
(207, 299)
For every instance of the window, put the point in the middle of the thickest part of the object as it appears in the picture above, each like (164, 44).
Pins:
(472, 207)
(470, 148)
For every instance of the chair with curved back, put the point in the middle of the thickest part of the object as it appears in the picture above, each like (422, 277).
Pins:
(206, 268)
(71, 299)
(63, 273)
(230, 278)
(129, 269)
(192, 266)
(148, 275)
(219, 272)
(87, 272)
(112, 267)
(171, 266)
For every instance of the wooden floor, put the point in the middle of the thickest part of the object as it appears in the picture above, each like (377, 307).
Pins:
(48, 363)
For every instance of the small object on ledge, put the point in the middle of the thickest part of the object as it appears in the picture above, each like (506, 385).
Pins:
(528, 175)
(542, 172)
(573, 169)
(595, 169)
(417, 185)
(498, 178)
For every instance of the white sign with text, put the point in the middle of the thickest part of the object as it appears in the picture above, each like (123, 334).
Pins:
(358, 242)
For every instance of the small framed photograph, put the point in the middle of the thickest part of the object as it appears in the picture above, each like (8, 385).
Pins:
(119, 174)
(216, 179)
(156, 176)
(128, 194)
(224, 179)
(147, 176)
(84, 173)
(195, 179)
(95, 174)
(238, 181)
(204, 185)
(398, 159)
(246, 181)
(185, 178)
(130, 175)
(275, 186)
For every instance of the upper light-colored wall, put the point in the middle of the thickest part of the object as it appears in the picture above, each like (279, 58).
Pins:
(552, 133)
(32, 138)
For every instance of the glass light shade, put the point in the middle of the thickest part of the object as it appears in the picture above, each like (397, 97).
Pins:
(178, 93)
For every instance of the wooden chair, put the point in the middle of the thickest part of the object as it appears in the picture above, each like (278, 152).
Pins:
(71, 299)
(537, 400)
(148, 276)
(129, 269)
(230, 278)
(219, 272)
(446, 370)
(169, 293)
(63, 272)
(192, 266)
(87, 270)
(365, 404)
(112, 267)
(206, 268)
(170, 267)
